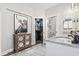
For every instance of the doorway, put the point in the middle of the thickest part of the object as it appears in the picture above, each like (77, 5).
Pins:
(38, 30)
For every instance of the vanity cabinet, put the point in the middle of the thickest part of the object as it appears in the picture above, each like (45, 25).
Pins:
(22, 41)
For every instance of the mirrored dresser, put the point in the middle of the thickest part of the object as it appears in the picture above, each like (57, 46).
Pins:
(22, 41)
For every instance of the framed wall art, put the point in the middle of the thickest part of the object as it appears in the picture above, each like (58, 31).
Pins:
(22, 23)
(51, 26)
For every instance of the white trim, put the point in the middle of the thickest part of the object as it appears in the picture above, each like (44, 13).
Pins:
(32, 43)
(0, 32)
(0, 52)
(6, 52)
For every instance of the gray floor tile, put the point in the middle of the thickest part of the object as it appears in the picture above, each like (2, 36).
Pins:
(37, 50)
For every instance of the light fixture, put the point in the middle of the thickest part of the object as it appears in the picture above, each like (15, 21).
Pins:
(75, 6)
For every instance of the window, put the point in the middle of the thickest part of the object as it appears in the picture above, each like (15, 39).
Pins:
(68, 24)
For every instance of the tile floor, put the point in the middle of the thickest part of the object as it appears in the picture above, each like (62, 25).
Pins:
(37, 50)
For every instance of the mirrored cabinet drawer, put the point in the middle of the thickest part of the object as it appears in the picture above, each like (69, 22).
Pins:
(22, 41)
(27, 37)
(20, 38)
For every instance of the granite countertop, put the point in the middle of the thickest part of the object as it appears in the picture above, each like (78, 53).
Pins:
(62, 41)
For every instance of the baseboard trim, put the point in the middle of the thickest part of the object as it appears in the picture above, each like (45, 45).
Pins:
(6, 52)
(32, 43)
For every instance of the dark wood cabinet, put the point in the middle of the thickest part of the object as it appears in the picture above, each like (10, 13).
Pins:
(22, 41)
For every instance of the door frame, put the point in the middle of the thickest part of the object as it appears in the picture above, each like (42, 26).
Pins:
(0, 32)
(43, 29)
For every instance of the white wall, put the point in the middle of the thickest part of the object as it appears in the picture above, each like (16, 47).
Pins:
(60, 11)
(8, 24)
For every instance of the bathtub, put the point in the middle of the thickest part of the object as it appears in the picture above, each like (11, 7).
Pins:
(60, 40)
(61, 47)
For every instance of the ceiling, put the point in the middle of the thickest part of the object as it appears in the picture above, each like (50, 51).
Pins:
(35, 6)
(41, 6)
